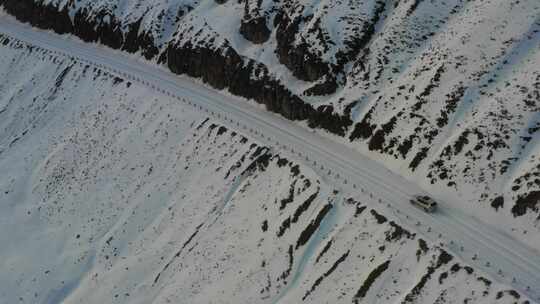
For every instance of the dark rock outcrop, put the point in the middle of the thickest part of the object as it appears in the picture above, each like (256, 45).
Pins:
(44, 16)
(525, 202)
(255, 30)
(328, 86)
(96, 30)
(498, 202)
(102, 28)
(223, 68)
(135, 41)
(297, 57)
(325, 117)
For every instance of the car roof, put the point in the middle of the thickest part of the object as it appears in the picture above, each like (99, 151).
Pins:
(427, 199)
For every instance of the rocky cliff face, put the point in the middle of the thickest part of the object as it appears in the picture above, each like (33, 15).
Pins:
(113, 193)
(445, 92)
(193, 52)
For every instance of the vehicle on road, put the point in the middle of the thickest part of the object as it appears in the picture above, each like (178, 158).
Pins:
(425, 202)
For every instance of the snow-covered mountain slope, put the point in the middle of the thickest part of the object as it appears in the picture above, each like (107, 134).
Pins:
(111, 193)
(444, 92)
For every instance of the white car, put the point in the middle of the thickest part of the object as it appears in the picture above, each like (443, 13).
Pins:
(425, 202)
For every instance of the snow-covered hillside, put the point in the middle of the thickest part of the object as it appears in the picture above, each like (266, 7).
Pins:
(444, 92)
(111, 193)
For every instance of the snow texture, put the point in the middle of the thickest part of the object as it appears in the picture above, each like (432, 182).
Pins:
(445, 93)
(112, 193)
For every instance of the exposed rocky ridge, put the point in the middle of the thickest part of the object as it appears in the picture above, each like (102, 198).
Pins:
(111, 192)
(443, 91)
(221, 66)
(253, 26)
